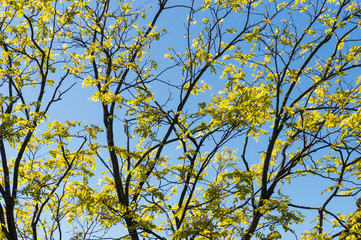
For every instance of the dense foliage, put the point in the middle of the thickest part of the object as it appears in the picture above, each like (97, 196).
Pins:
(204, 116)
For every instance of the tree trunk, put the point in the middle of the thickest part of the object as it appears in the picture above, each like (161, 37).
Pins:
(9, 209)
(252, 228)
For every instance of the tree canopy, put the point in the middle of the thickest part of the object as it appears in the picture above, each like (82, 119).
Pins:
(208, 119)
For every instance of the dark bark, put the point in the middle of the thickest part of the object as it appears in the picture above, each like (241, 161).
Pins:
(10, 219)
